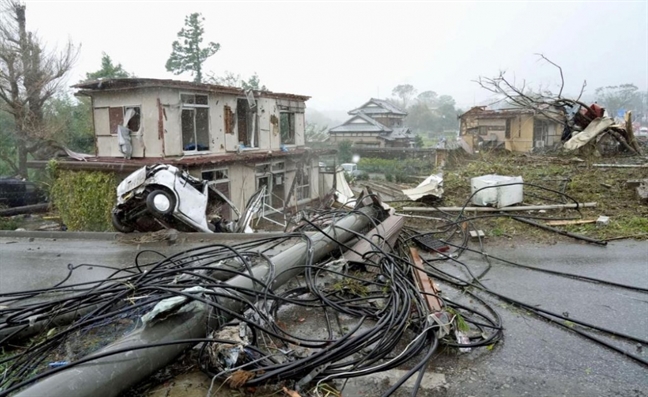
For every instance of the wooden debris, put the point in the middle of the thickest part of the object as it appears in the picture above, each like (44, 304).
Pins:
(425, 283)
(291, 393)
(240, 378)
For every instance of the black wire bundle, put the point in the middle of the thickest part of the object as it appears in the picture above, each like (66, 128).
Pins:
(371, 345)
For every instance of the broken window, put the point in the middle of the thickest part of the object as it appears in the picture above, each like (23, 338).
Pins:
(194, 122)
(273, 177)
(229, 120)
(287, 128)
(117, 115)
(246, 121)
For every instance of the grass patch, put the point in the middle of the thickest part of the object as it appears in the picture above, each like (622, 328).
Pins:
(9, 224)
(581, 181)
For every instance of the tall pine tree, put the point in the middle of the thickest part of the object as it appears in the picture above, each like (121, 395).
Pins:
(187, 55)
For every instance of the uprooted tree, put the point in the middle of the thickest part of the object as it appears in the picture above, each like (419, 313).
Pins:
(29, 76)
(555, 106)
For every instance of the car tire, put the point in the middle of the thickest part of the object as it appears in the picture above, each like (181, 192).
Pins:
(119, 224)
(160, 202)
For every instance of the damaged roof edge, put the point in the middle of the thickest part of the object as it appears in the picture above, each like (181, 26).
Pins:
(89, 87)
(122, 165)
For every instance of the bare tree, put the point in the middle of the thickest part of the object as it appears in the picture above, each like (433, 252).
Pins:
(29, 76)
(542, 101)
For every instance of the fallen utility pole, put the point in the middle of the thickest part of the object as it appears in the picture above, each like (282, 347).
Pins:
(504, 209)
(110, 375)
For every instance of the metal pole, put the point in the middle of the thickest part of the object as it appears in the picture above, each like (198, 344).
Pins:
(110, 376)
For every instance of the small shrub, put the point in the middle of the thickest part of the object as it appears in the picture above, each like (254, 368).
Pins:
(84, 199)
(8, 224)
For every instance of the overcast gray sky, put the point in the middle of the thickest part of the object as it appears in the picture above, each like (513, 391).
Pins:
(342, 53)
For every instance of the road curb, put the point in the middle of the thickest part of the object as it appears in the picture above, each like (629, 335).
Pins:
(113, 236)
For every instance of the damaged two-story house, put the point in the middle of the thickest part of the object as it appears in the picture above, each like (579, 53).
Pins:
(241, 140)
(376, 124)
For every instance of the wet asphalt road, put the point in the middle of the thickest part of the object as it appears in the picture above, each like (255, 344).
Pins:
(534, 359)
(541, 359)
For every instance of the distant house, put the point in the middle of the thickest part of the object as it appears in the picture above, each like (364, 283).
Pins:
(377, 123)
(241, 139)
(516, 130)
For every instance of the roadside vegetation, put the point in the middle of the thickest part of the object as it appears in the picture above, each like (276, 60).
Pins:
(83, 199)
(577, 178)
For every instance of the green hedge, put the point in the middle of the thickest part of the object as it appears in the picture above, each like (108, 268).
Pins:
(84, 199)
(396, 170)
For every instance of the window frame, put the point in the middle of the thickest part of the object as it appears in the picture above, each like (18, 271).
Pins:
(300, 185)
(292, 119)
(194, 106)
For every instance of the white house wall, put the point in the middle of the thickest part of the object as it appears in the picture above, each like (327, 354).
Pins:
(169, 144)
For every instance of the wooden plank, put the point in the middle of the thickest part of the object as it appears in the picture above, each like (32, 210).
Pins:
(573, 222)
(425, 283)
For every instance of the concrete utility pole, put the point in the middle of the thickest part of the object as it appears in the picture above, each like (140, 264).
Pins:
(112, 375)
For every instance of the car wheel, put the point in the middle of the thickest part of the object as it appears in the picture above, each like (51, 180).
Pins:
(160, 202)
(119, 224)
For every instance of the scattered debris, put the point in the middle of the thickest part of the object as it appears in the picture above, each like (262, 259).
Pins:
(642, 192)
(477, 234)
(593, 129)
(431, 186)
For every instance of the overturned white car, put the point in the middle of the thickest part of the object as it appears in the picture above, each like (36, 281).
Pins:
(163, 196)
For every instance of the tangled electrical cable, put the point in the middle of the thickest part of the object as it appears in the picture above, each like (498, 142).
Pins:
(389, 323)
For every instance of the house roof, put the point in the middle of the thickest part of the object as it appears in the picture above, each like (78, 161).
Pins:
(380, 107)
(480, 112)
(90, 87)
(369, 125)
(396, 134)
